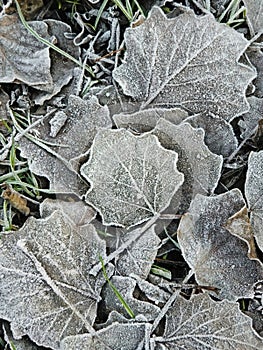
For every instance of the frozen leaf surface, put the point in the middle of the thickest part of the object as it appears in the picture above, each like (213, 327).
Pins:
(140, 255)
(132, 177)
(146, 120)
(201, 168)
(46, 266)
(251, 119)
(217, 257)
(72, 136)
(23, 58)
(187, 61)
(254, 194)
(118, 336)
(256, 58)
(203, 324)
(254, 15)
(219, 134)
(78, 212)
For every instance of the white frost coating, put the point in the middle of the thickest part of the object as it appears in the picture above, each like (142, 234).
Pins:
(254, 194)
(188, 62)
(132, 177)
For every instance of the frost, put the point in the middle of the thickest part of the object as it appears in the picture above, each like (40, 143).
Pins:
(188, 62)
(219, 134)
(218, 258)
(46, 266)
(202, 324)
(140, 255)
(251, 119)
(254, 15)
(118, 336)
(23, 58)
(56, 161)
(78, 212)
(132, 177)
(146, 120)
(256, 58)
(200, 167)
(254, 194)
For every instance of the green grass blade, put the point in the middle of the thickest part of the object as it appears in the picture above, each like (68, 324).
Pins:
(101, 9)
(115, 290)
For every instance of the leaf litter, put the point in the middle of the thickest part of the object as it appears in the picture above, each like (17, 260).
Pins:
(145, 139)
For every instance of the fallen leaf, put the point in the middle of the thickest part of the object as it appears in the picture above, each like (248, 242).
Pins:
(254, 194)
(146, 120)
(46, 290)
(239, 225)
(118, 336)
(201, 323)
(256, 58)
(217, 257)
(21, 53)
(249, 122)
(140, 255)
(200, 167)
(132, 177)
(188, 62)
(56, 160)
(254, 15)
(219, 134)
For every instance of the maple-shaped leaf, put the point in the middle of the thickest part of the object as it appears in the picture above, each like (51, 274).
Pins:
(46, 290)
(202, 324)
(23, 58)
(62, 138)
(132, 177)
(117, 336)
(254, 14)
(254, 194)
(217, 257)
(188, 62)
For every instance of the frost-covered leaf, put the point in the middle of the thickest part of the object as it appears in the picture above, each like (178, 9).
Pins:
(126, 287)
(19, 344)
(200, 167)
(251, 119)
(140, 255)
(78, 212)
(187, 61)
(83, 119)
(254, 194)
(254, 11)
(118, 336)
(23, 58)
(256, 58)
(132, 177)
(146, 120)
(61, 67)
(217, 257)
(219, 134)
(46, 290)
(203, 324)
